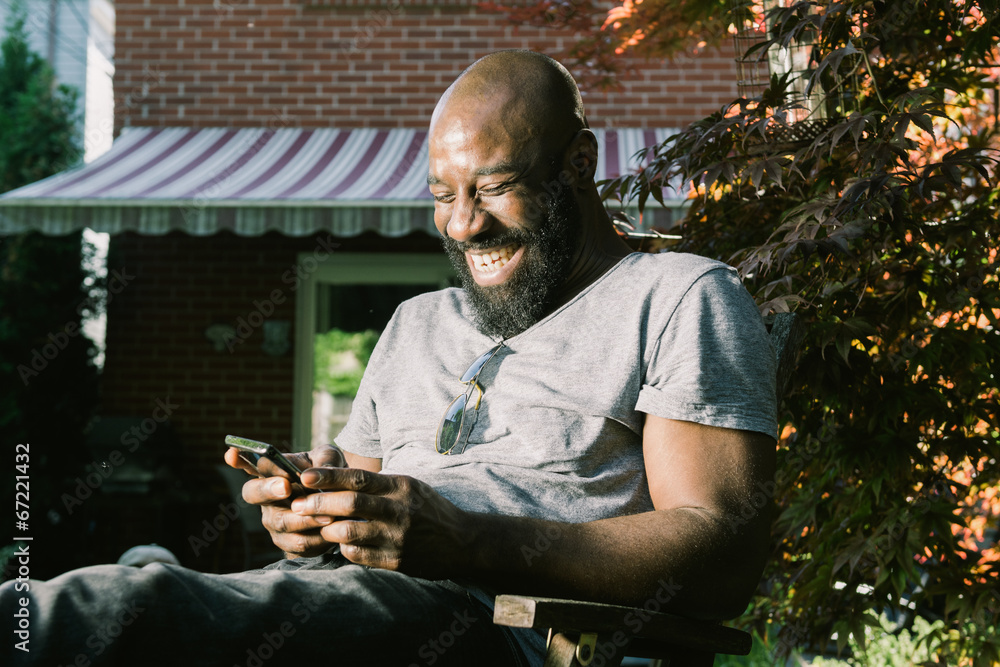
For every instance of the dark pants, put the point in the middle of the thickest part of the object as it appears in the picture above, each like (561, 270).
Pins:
(307, 612)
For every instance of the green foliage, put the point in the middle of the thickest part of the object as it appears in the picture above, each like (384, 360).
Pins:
(880, 227)
(39, 133)
(762, 654)
(42, 291)
(340, 360)
(888, 647)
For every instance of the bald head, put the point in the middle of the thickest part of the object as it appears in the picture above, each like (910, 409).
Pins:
(530, 94)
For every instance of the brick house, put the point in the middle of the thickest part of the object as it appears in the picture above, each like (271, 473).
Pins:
(266, 183)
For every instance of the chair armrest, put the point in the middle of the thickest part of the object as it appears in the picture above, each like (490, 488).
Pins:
(665, 630)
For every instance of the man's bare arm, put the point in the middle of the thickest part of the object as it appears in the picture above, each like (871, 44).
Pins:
(704, 546)
(362, 462)
(706, 541)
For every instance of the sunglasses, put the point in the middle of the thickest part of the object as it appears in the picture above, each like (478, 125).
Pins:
(459, 418)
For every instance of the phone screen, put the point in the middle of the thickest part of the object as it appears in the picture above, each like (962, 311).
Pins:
(253, 450)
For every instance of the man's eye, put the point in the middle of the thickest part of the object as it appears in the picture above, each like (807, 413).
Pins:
(492, 190)
(444, 199)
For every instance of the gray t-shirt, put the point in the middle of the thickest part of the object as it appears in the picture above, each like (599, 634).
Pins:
(558, 434)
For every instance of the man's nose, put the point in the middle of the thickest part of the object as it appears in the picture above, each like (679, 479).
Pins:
(468, 219)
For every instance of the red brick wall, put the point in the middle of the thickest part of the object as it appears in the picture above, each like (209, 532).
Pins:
(178, 285)
(156, 345)
(320, 63)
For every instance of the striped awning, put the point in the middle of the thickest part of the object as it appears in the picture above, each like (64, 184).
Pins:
(250, 181)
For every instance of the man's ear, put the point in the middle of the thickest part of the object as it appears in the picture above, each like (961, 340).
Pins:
(582, 157)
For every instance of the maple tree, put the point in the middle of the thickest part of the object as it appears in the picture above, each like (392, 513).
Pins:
(861, 193)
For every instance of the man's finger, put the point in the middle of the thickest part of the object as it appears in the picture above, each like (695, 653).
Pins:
(327, 456)
(280, 520)
(344, 504)
(267, 490)
(269, 468)
(300, 544)
(345, 531)
(371, 556)
(347, 479)
(234, 460)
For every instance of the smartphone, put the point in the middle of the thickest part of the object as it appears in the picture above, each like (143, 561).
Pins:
(253, 450)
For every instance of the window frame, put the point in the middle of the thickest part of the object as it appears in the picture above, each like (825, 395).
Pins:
(348, 269)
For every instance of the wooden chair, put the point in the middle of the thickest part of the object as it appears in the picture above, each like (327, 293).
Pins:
(585, 633)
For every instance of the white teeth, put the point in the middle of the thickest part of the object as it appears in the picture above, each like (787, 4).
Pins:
(494, 261)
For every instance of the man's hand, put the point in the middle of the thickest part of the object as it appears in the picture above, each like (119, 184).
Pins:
(386, 521)
(294, 534)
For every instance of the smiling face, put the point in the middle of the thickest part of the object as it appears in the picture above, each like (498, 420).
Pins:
(521, 283)
(503, 203)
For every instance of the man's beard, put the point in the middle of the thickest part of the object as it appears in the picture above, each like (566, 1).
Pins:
(532, 290)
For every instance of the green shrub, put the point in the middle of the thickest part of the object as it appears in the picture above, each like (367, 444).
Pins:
(340, 360)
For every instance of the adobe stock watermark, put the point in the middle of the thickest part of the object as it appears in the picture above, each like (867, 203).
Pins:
(895, 533)
(99, 641)
(543, 202)
(609, 652)
(765, 492)
(433, 649)
(227, 7)
(248, 149)
(262, 309)
(544, 539)
(100, 134)
(58, 340)
(130, 440)
(374, 23)
(960, 296)
(212, 531)
(989, 614)
(790, 637)
(152, 78)
(272, 641)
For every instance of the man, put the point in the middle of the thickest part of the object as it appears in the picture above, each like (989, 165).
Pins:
(620, 404)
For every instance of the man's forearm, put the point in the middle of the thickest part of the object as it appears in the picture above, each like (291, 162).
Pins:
(707, 566)
(702, 542)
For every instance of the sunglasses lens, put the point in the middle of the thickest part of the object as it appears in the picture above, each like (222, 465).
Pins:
(454, 428)
(451, 426)
(478, 364)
